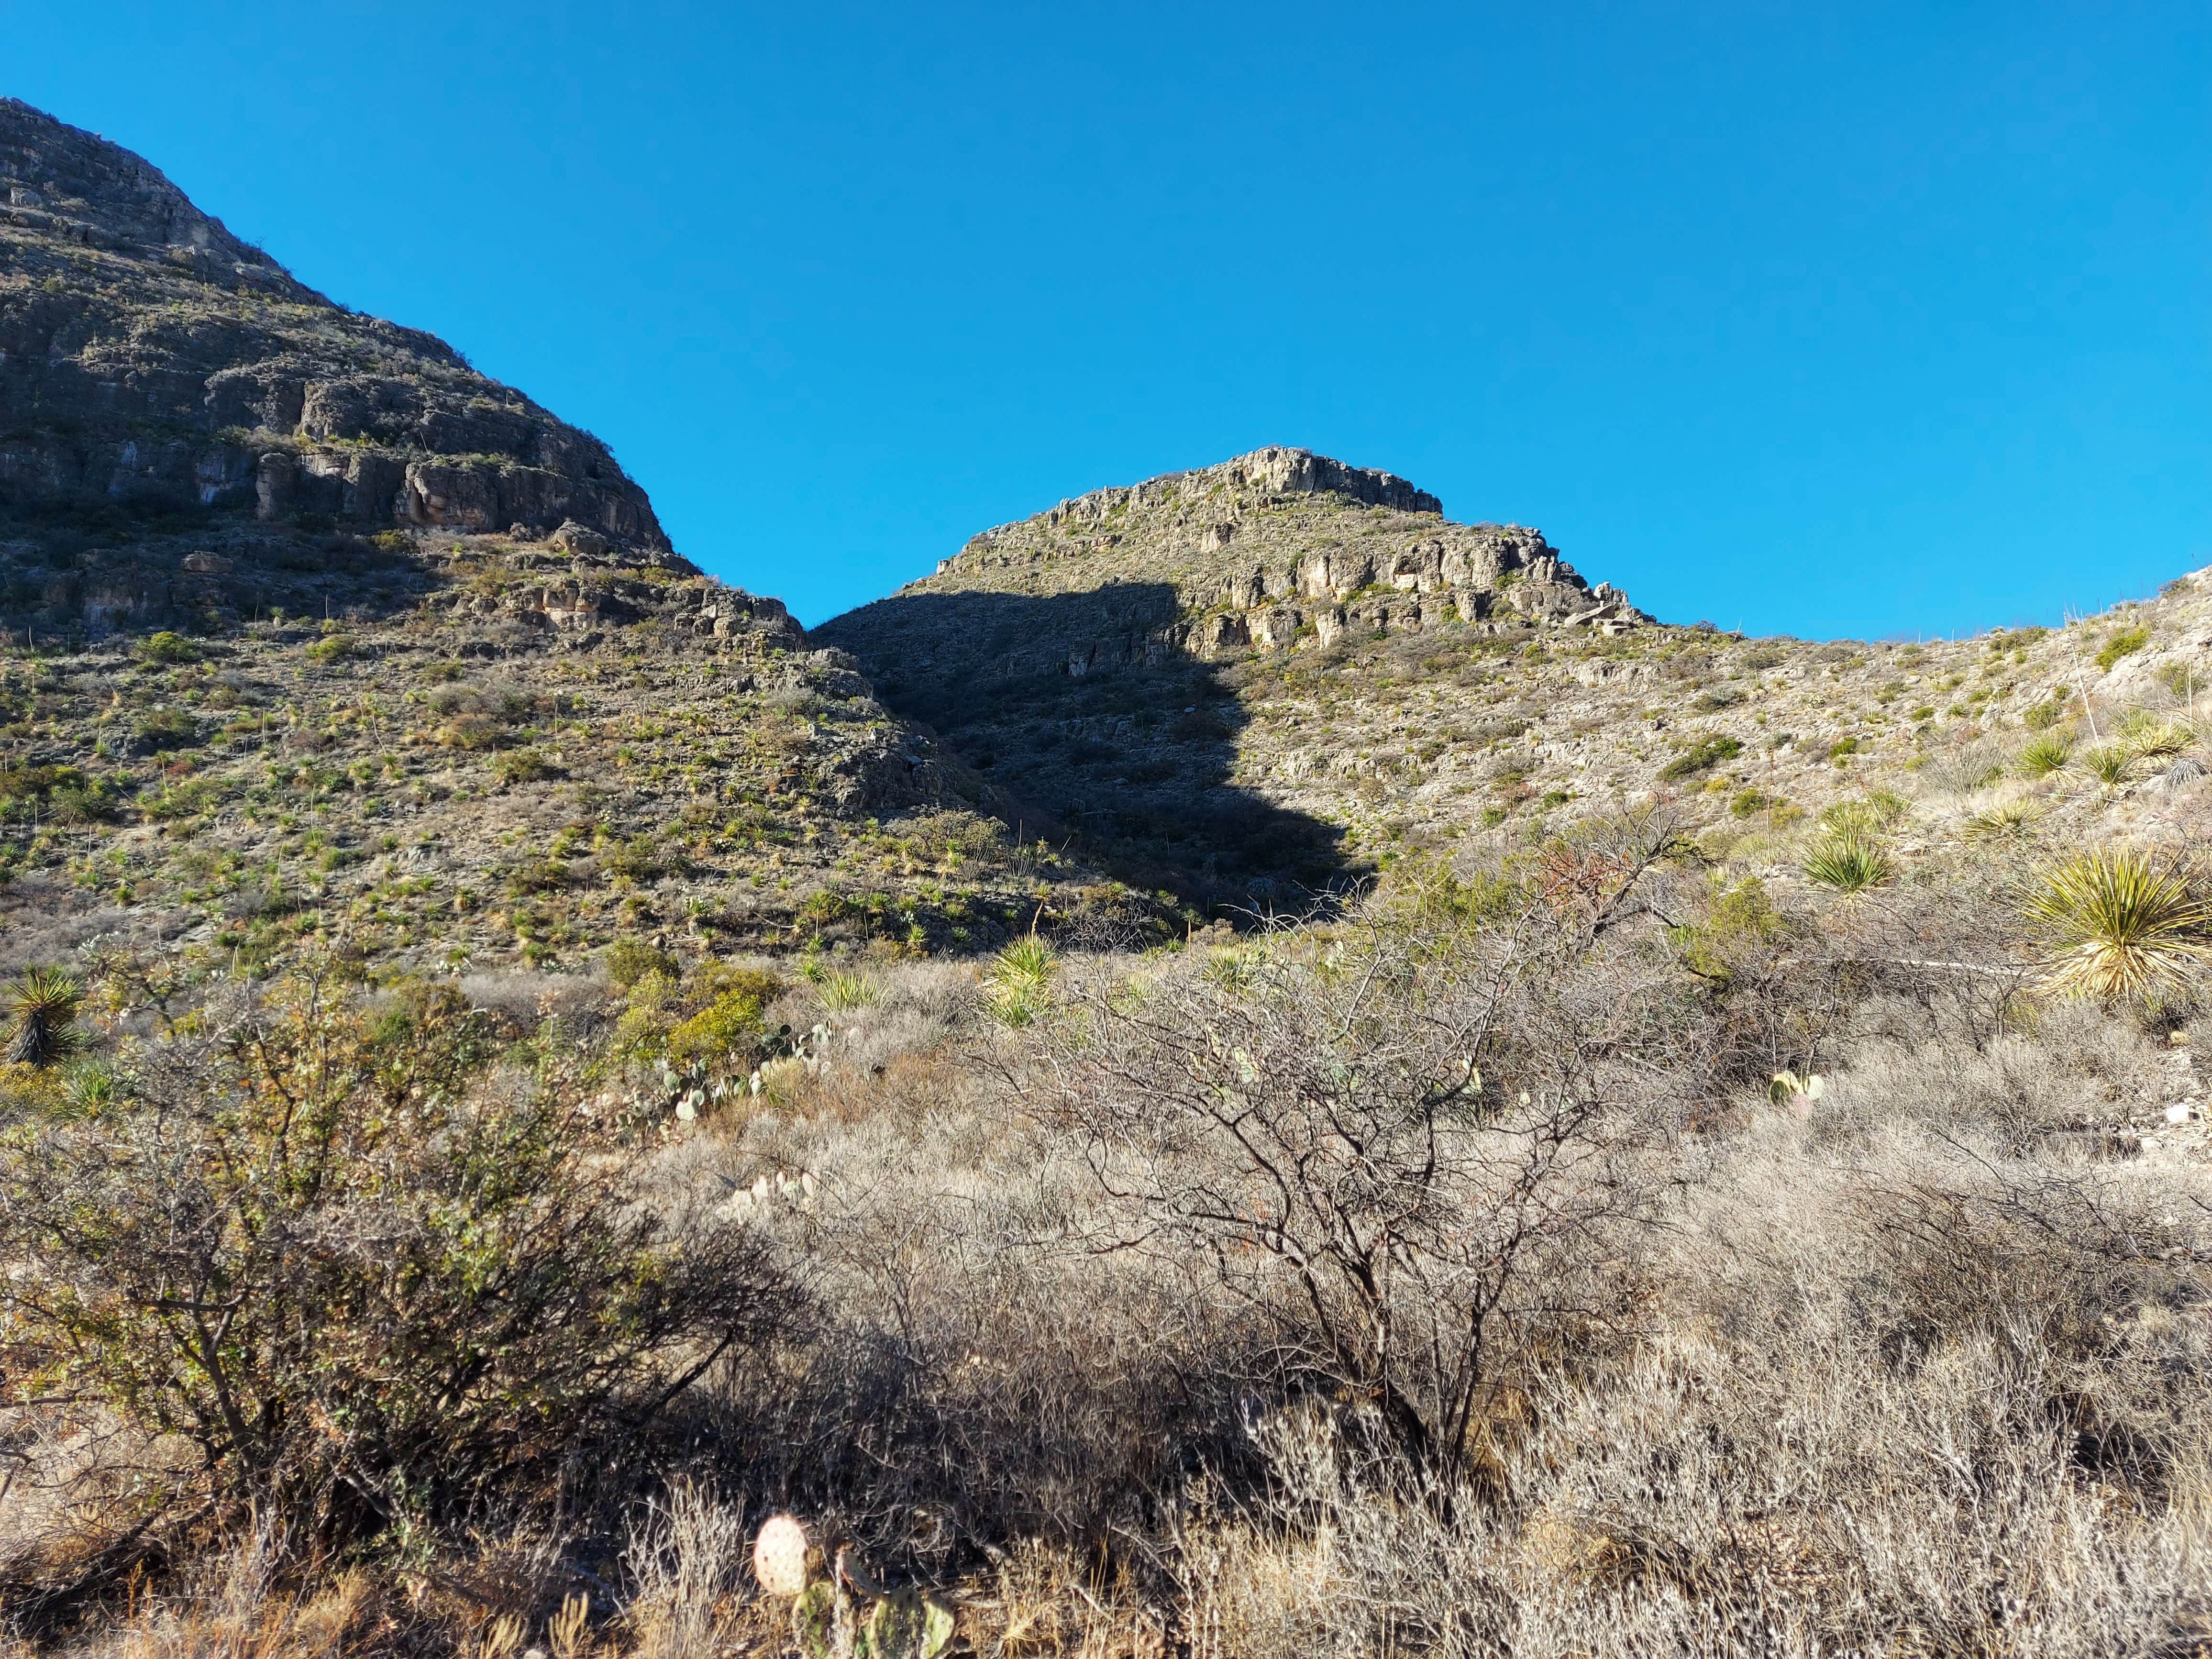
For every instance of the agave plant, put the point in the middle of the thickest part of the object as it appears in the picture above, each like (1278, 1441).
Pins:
(44, 1002)
(2121, 927)
(1019, 979)
(2043, 755)
(1848, 862)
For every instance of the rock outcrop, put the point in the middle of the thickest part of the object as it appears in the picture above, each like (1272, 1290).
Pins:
(151, 359)
(1278, 549)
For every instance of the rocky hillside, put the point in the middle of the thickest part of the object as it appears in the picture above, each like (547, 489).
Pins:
(1283, 673)
(315, 636)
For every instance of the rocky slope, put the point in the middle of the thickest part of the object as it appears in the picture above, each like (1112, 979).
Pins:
(1283, 673)
(315, 636)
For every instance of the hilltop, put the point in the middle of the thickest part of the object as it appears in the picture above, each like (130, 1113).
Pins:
(1284, 673)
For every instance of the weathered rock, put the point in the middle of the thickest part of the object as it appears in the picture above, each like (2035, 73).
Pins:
(151, 356)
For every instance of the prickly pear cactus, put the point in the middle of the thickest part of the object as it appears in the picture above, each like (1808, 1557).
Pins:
(905, 1624)
(816, 1622)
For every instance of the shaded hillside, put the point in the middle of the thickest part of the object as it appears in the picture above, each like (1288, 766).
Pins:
(315, 637)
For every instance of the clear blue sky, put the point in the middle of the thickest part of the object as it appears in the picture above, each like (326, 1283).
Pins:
(1855, 319)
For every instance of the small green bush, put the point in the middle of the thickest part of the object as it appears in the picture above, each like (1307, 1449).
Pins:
(2124, 642)
(1019, 982)
(630, 960)
(1849, 863)
(166, 648)
(1699, 757)
(2043, 755)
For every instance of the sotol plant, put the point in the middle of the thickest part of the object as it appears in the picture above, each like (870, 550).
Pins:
(1848, 862)
(2043, 755)
(1020, 980)
(2120, 927)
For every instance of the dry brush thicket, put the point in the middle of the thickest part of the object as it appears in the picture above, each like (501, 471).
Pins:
(1446, 1274)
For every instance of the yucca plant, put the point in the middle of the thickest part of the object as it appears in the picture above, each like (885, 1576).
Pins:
(2148, 737)
(2005, 820)
(2043, 755)
(2120, 927)
(1849, 863)
(1020, 980)
(44, 1002)
(2108, 764)
(842, 992)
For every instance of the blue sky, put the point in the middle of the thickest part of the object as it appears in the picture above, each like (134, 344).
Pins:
(1860, 320)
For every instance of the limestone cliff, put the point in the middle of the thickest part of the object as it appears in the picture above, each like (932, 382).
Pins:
(149, 358)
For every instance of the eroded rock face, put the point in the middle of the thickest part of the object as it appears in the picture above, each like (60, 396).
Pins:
(149, 356)
(1274, 551)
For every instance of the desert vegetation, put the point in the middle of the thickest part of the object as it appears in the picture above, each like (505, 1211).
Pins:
(1588, 1245)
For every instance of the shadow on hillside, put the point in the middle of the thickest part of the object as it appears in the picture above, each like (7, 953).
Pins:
(1109, 740)
(67, 576)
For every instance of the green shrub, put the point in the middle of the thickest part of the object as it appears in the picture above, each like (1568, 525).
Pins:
(2124, 642)
(842, 992)
(1848, 862)
(1018, 984)
(332, 647)
(167, 728)
(2108, 764)
(2043, 755)
(166, 648)
(1700, 756)
(1746, 802)
(629, 961)
(524, 766)
(2119, 926)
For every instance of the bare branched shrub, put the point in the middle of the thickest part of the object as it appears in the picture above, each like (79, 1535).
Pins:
(1409, 1142)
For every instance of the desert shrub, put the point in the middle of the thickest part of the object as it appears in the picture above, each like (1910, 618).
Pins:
(2148, 737)
(364, 1280)
(2042, 716)
(164, 649)
(1402, 1145)
(524, 766)
(1018, 984)
(167, 728)
(43, 1005)
(2006, 820)
(2122, 642)
(844, 990)
(630, 960)
(2040, 756)
(729, 1021)
(2118, 926)
(1746, 803)
(332, 647)
(1700, 756)
(2108, 763)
